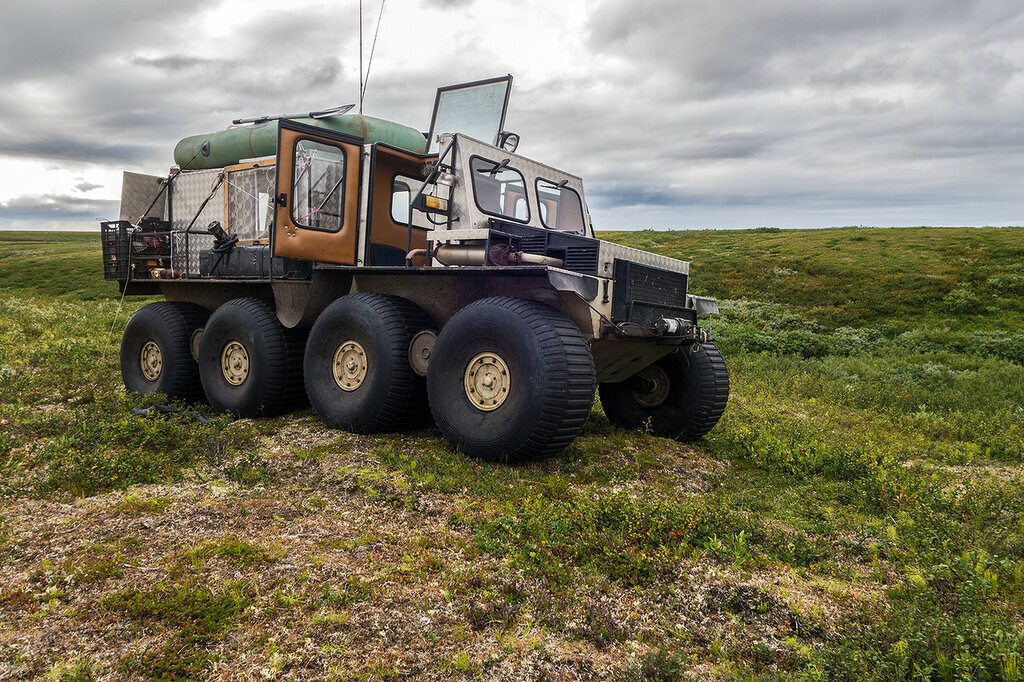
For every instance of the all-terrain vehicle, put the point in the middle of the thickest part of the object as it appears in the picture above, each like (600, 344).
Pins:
(386, 275)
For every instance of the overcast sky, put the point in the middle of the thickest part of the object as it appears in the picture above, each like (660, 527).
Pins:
(676, 113)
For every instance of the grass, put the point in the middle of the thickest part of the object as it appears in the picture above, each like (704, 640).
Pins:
(857, 514)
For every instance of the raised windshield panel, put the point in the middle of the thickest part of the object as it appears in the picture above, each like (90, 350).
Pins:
(499, 190)
(318, 186)
(560, 208)
(476, 110)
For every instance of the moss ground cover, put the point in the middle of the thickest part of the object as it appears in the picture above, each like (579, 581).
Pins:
(857, 514)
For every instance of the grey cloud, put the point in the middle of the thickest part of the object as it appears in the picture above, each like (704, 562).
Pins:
(55, 146)
(54, 210)
(86, 186)
(319, 75)
(709, 48)
(449, 4)
(180, 62)
(704, 108)
(58, 36)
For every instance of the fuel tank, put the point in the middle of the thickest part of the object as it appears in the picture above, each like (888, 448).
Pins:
(230, 146)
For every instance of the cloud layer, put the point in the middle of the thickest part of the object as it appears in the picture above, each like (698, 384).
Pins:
(677, 114)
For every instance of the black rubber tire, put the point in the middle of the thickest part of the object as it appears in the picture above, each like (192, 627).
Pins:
(698, 390)
(391, 397)
(551, 380)
(170, 326)
(273, 384)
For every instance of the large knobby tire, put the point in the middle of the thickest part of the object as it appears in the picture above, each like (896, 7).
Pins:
(356, 368)
(155, 352)
(681, 396)
(510, 380)
(249, 363)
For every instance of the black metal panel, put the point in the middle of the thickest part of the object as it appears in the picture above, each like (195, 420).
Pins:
(646, 314)
(642, 284)
(579, 253)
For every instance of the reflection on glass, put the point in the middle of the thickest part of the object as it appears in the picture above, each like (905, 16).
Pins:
(499, 190)
(318, 186)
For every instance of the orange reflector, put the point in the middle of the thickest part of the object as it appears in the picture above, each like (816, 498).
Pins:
(436, 203)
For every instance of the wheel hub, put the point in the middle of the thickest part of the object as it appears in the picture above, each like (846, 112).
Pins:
(151, 360)
(349, 365)
(487, 381)
(234, 363)
(651, 386)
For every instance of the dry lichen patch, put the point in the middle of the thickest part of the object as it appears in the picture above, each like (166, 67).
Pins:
(331, 564)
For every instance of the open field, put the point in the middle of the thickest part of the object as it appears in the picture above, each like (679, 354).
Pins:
(857, 514)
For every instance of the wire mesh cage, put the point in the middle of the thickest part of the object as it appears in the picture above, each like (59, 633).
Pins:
(250, 202)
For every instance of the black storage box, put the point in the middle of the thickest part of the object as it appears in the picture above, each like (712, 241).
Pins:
(251, 262)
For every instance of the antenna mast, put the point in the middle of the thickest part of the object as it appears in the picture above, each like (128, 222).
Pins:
(365, 78)
(360, 57)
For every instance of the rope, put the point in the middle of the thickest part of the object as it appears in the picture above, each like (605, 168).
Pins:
(117, 313)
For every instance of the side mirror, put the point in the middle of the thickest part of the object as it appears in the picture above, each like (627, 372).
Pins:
(508, 141)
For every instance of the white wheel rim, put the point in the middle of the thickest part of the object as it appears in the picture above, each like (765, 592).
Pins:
(349, 365)
(151, 360)
(234, 363)
(487, 381)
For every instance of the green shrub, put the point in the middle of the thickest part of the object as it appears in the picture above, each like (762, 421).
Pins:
(940, 624)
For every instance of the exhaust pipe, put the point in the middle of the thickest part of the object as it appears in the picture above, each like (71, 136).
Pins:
(477, 254)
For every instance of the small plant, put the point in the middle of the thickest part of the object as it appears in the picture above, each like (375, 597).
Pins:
(662, 665)
(250, 471)
(78, 671)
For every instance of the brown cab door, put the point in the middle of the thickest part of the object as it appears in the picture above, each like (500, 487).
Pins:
(317, 204)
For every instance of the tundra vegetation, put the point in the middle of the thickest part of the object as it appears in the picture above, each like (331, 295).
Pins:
(857, 514)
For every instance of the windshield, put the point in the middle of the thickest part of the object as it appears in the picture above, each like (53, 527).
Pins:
(560, 207)
(499, 189)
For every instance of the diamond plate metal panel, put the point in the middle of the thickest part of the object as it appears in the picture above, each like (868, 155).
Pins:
(610, 251)
(137, 192)
(185, 250)
(189, 191)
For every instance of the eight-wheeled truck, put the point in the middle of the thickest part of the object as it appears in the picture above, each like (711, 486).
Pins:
(385, 275)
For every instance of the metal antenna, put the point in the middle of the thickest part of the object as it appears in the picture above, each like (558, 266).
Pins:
(369, 62)
(360, 57)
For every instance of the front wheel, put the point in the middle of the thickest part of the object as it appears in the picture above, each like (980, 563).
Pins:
(510, 380)
(681, 396)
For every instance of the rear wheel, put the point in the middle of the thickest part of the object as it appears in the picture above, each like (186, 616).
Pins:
(681, 396)
(155, 350)
(249, 363)
(510, 380)
(356, 368)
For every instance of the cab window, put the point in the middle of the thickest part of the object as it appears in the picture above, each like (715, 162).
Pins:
(499, 189)
(560, 207)
(318, 186)
(401, 195)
